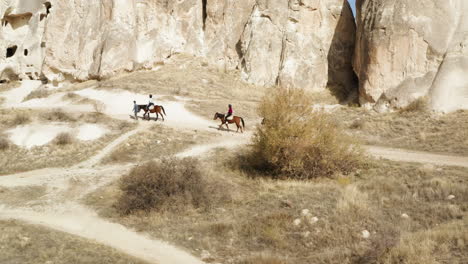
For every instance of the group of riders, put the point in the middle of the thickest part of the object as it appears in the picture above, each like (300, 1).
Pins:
(225, 118)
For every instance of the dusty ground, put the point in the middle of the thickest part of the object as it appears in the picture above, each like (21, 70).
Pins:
(257, 216)
(75, 191)
(414, 130)
(16, 158)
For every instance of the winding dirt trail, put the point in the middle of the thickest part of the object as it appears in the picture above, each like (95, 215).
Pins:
(405, 155)
(60, 207)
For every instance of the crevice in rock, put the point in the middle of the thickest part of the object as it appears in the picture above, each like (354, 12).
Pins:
(10, 52)
(17, 21)
(205, 14)
(48, 6)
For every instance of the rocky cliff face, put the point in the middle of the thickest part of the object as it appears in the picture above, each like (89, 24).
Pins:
(295, 43)
(408, 49)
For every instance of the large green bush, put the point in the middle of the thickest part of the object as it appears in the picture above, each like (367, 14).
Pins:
(296, 141)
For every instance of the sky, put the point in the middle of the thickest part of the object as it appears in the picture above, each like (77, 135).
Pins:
(353, 6)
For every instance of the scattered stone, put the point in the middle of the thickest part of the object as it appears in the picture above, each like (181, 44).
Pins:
(313, 220)
(297, 222)
(190, 238)
(158, 142)
(451, 197)
(306, 234)
(404, 216)
(305, 212)
(365, 234)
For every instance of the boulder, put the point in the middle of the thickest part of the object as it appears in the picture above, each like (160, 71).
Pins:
(408, 49)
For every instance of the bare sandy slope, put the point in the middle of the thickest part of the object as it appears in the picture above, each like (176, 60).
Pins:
(60, 207)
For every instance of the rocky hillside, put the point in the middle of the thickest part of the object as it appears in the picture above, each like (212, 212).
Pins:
(406, 49)
(403, 49)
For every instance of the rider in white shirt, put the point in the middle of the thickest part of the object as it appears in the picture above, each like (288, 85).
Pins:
(151, 102)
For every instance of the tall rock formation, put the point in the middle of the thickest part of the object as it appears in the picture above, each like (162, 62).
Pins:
(407, 49)
(294, 43)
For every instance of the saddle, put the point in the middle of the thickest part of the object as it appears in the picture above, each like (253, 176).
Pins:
(151, 107)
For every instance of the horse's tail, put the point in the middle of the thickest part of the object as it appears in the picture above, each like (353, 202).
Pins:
(164, 111)
(243, 123)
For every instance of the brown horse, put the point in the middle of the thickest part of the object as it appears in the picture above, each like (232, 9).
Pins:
(235, 119)
(157, 109)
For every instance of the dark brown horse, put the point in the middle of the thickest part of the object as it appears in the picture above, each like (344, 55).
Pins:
(157, 109)
(235, 120)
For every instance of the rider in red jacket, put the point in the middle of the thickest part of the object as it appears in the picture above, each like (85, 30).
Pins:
(230, 112)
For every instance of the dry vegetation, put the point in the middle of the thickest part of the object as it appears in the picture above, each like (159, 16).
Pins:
(297, 142)
(417, 130)
(36, 94)
(8, 86)
(31, 244)
(256, 216)
(61, 152)
(163, 185)
(155, 142)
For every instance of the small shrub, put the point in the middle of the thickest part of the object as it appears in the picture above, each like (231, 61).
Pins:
(71, 96)
(39, 93)
(417, 106)
(99, 107)
(358, 124)
(164, 185)
(20, 119)
(296, 142)
(63, 138)
(58, 115)
(4, 144)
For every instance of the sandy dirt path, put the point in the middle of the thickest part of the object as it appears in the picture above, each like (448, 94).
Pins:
(405, 155)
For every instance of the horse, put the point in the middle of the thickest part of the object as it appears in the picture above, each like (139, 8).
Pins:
(157, 109)
(235, 119)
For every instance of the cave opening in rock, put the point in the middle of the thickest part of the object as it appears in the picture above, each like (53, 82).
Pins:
(11, 51)
(26, 52)
(205, 14)
(48, 6)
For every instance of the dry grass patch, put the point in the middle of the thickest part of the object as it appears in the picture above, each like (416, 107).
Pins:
(156, 142)
(64, 150)
(37, 94)
(31, 244)
(57, 115)
(263, 260)
(9, 85)
(20, 118)
(297, 142)
(20, 196)
(4, 143)
(260, 214)
(63, 138)
(423, 131)
(418, 106)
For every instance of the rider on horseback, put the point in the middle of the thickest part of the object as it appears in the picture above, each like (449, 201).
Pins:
(229, 113)
(150, 103)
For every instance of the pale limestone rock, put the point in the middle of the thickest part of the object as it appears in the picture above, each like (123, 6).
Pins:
(299, 44)
(295, 43)
(407, 49)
